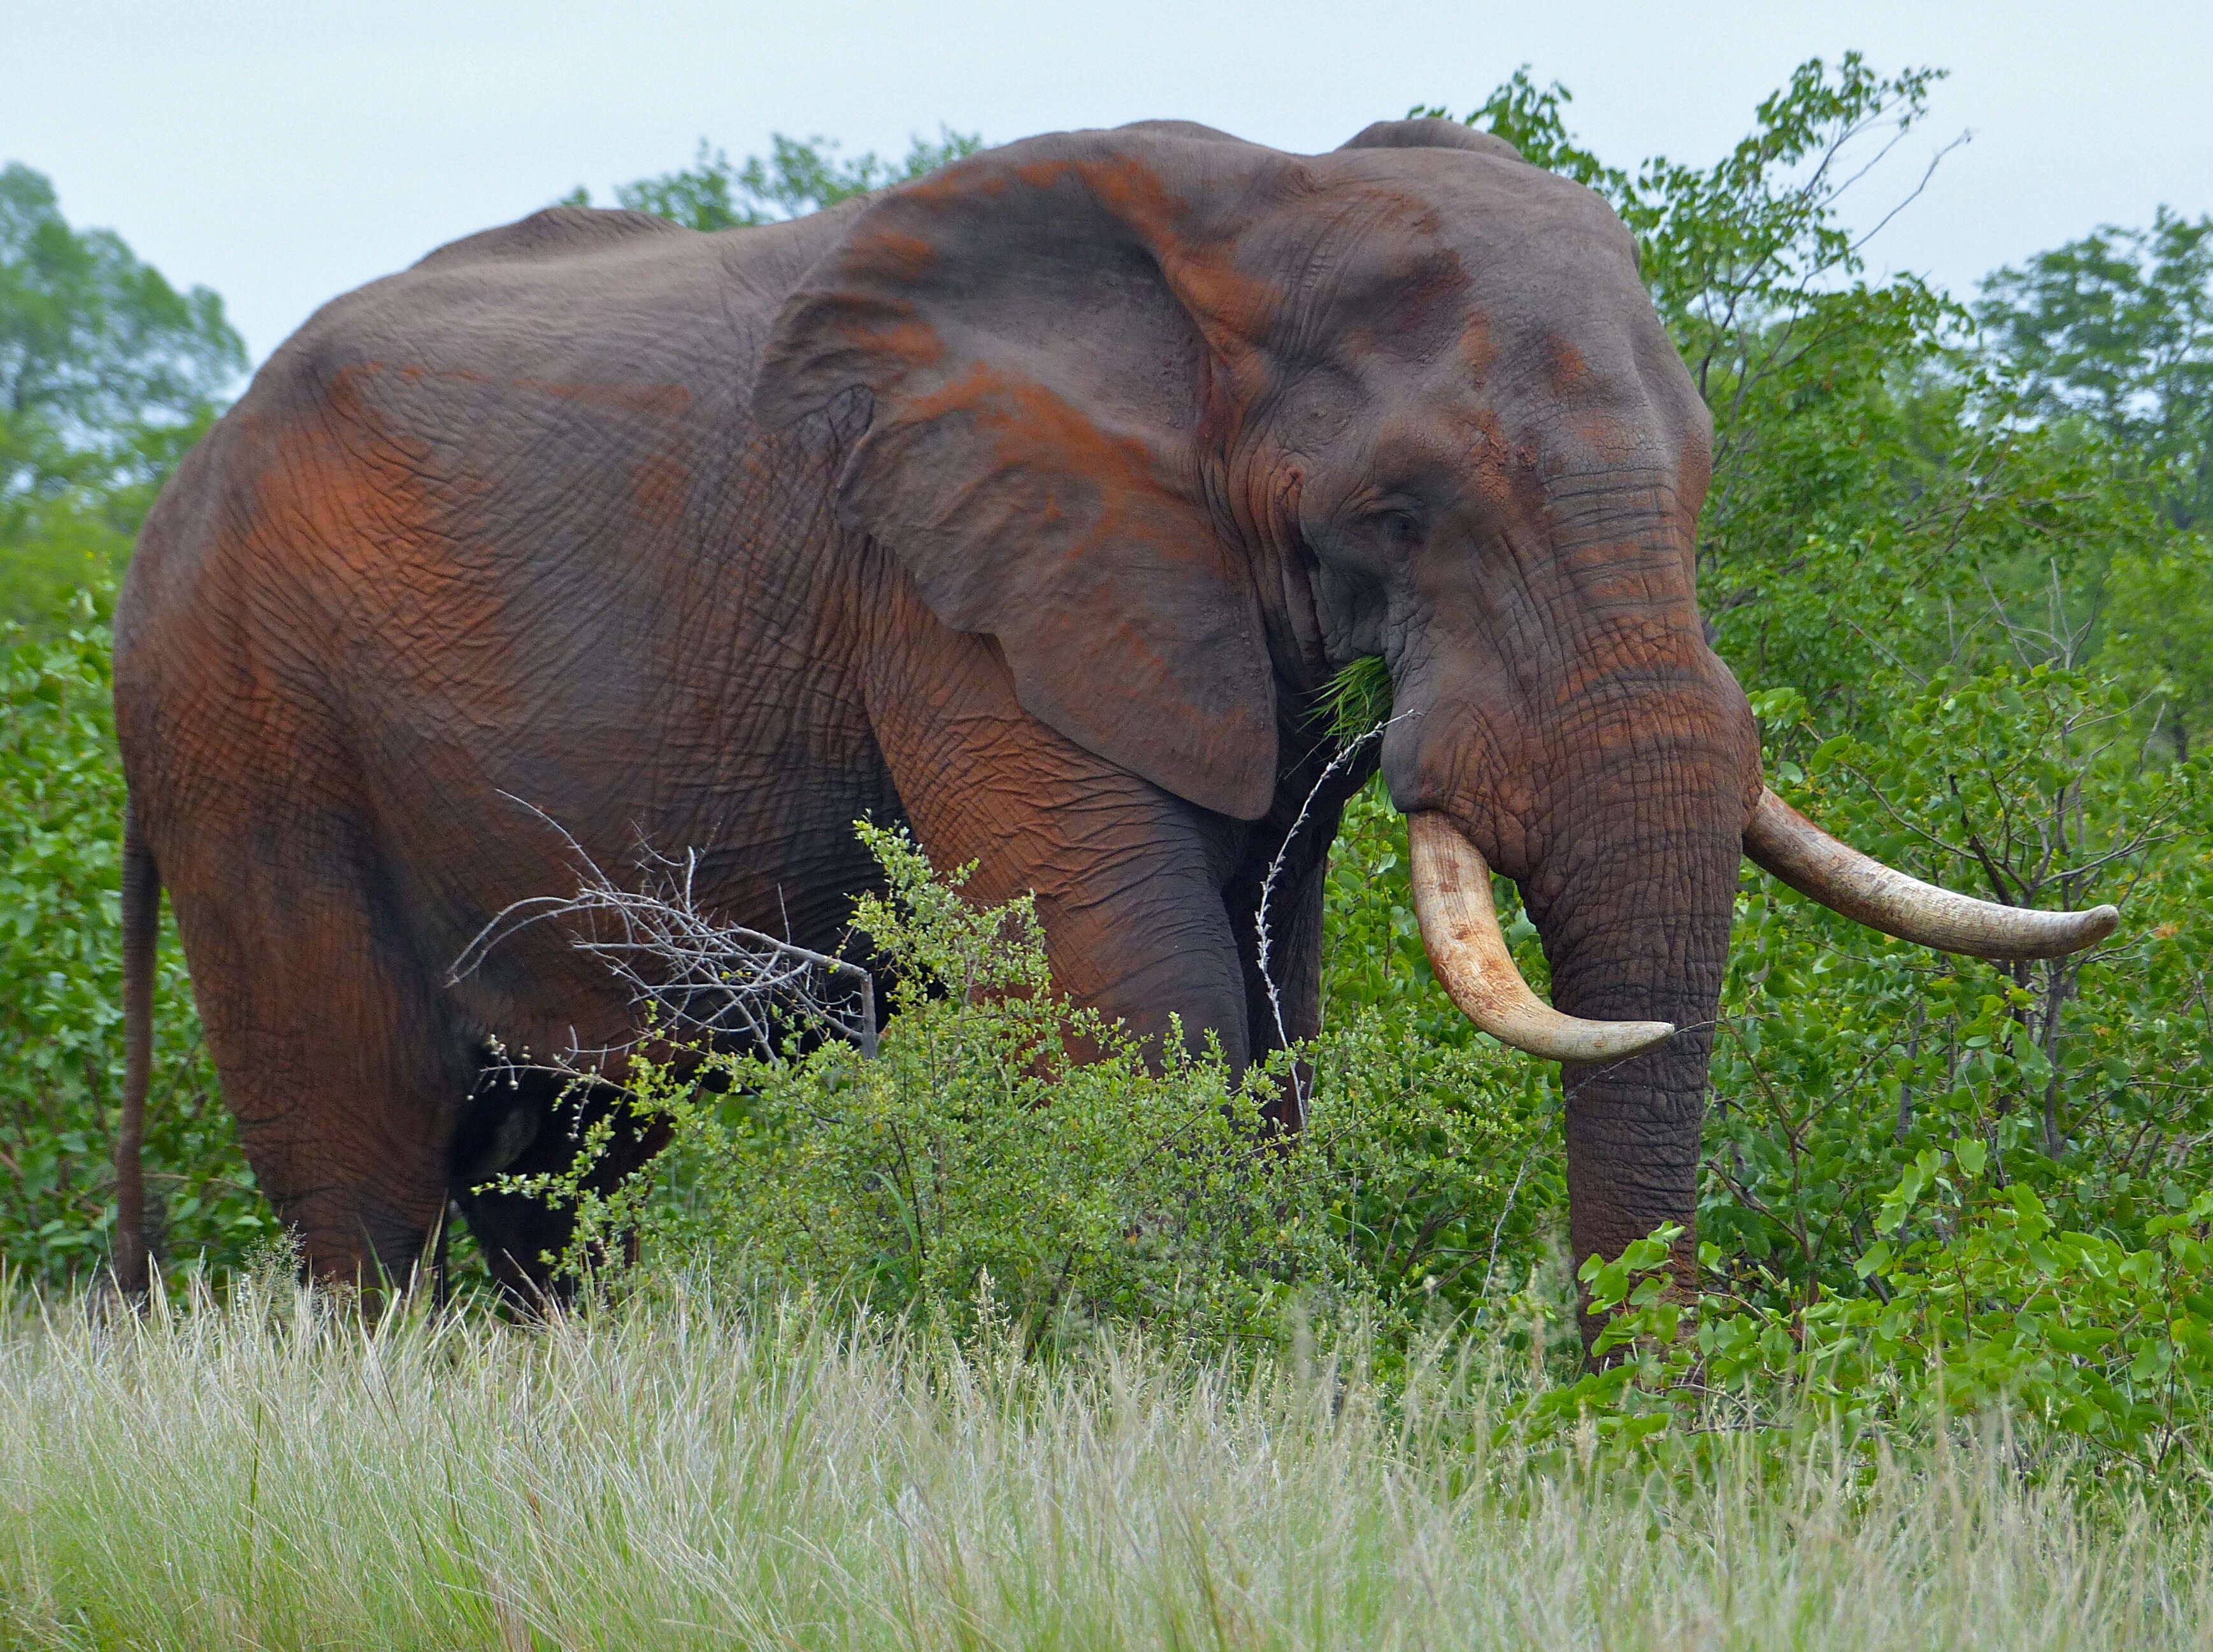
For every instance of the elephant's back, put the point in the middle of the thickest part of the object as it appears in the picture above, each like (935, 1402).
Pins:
(471, 505)
(611, 297)
(619, 303)
(499, 377)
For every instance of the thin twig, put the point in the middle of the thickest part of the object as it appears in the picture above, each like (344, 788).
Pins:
(1263, 943)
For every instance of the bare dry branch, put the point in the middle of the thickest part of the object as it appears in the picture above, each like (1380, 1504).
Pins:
(689, 975)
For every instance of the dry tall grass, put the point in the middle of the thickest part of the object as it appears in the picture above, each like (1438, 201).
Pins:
(271, 1473)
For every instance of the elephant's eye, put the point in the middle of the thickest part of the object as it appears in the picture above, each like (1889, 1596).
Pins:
(1400, 529)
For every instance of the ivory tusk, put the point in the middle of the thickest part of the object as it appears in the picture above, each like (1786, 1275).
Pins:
(1459, 927)
(1785, 843)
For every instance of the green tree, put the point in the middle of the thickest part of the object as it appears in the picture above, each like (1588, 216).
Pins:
(108, 375)
(2109, 340)
(2117, 329)
(2160, 629)
(796, 178)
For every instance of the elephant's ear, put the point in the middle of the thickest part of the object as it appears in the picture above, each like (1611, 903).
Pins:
(1049, 333)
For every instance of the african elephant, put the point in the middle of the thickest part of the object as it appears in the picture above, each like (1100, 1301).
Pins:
(1031, 503)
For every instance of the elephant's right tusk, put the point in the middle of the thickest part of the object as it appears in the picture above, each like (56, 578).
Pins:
(1459, 927)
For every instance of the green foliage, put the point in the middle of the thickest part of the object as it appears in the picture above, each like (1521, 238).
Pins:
(61, 813)
(794, 178)
(94, 345)
(1007, 1155)
(2071, 1095)
(2116, 328)
(108, 375)
(1357, 699)
(58, 548)
(1973, 1297)
(2159, 634)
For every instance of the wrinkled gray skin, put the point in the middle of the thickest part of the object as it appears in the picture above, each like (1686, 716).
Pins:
(1031, 503)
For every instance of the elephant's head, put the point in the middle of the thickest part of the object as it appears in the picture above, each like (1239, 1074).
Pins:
(1186, 424)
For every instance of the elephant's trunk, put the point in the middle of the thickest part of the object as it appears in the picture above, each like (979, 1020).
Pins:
(1586, 742)
(1635, 908)
(1627, 849)
(1636, 927)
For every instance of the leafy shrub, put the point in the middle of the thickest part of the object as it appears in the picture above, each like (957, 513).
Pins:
(61, 817)
(1938, 1185)
(1844, 1056)
(1007, 1154)
(1973, 1298)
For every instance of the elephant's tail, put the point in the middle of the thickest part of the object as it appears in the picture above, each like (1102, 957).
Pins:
(142, 917)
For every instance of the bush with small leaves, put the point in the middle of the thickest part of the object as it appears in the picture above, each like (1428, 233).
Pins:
(1005, 1149)
(61, 1022)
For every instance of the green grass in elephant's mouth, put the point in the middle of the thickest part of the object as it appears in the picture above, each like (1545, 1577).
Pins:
(1357, 699)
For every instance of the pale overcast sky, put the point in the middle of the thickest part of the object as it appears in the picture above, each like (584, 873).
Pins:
(281, 151)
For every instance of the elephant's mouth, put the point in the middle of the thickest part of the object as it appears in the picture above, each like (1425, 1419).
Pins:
(1461, 930)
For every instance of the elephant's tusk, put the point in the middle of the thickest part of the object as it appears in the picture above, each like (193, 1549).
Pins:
(1787, 844)
(1459, 927)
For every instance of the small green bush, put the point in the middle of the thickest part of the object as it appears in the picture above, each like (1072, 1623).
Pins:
(1008, 1155)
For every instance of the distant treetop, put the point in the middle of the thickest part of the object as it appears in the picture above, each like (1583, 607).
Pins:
(100, 358)
(2118, 327)
(797, 179)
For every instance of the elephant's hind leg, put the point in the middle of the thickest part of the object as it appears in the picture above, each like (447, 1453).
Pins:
(338, 1053)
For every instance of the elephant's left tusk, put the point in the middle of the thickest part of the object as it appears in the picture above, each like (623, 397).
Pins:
(1459, 927)
(1787, 844)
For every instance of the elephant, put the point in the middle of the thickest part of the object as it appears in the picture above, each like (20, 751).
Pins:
(1033, 504)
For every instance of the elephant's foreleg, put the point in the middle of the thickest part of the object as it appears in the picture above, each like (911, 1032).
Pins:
(1128, 878)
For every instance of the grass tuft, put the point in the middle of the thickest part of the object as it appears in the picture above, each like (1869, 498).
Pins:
(676, 1471)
